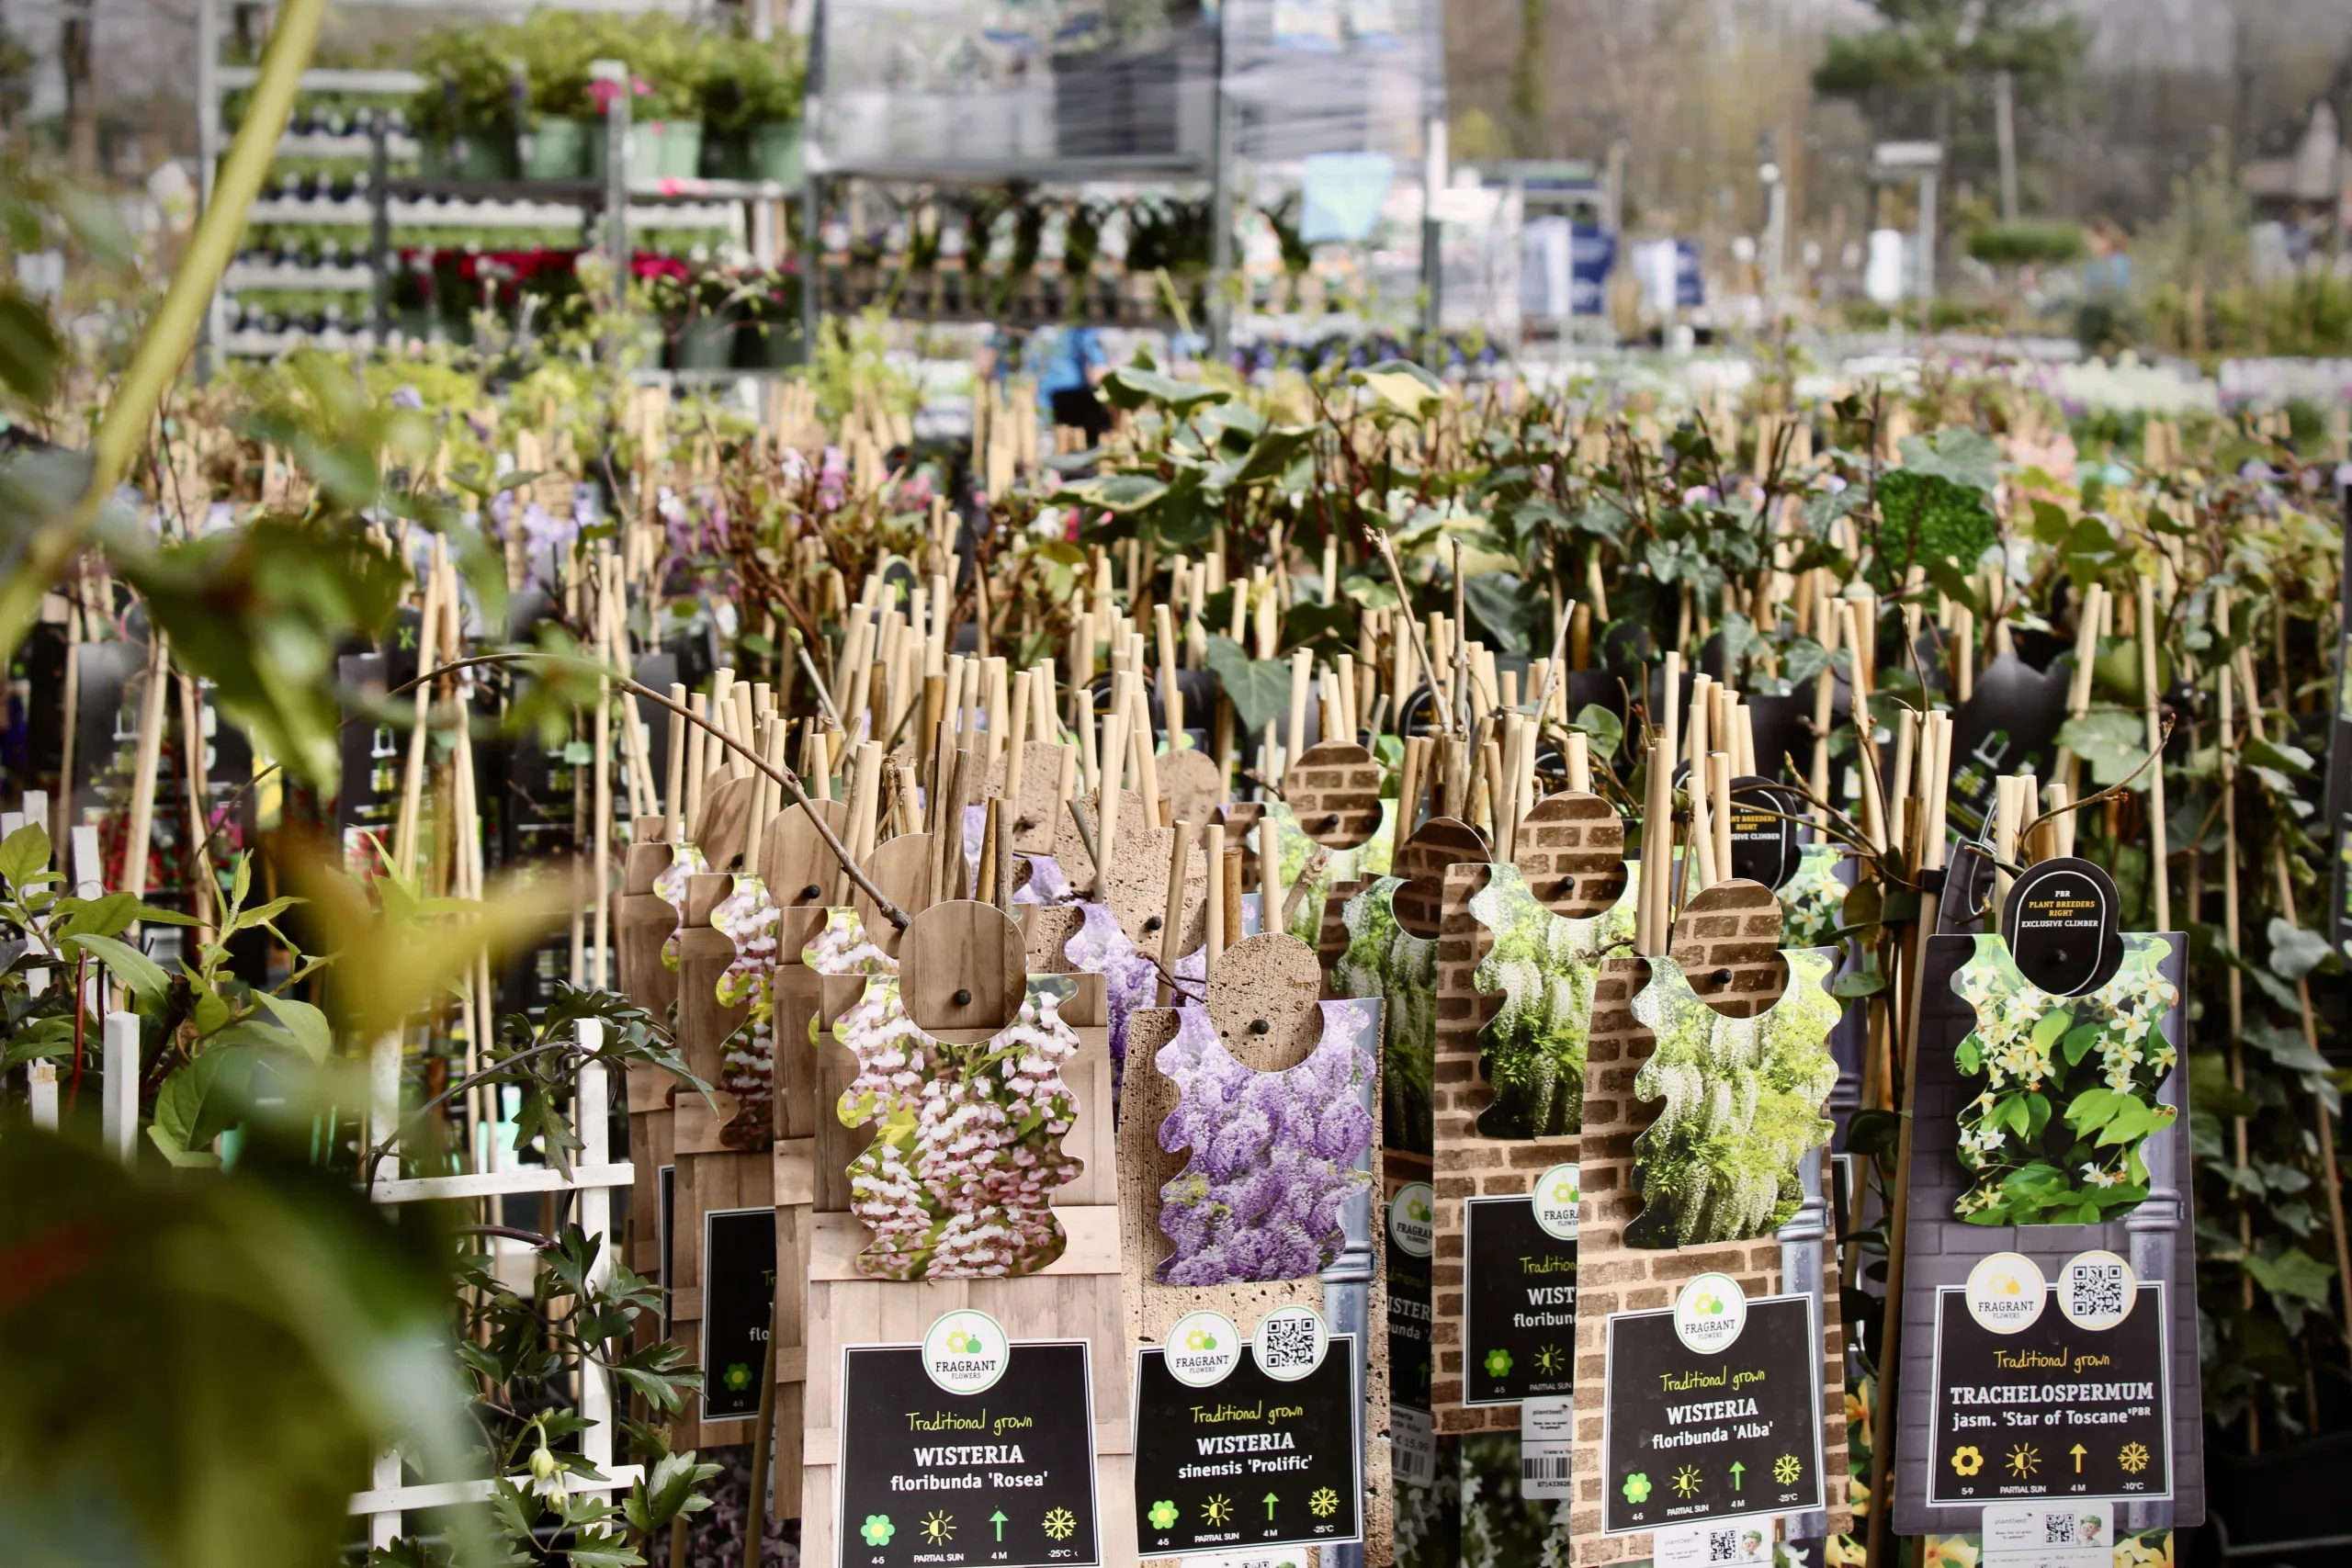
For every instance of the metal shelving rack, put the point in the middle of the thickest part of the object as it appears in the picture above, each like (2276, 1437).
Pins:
(407, 202)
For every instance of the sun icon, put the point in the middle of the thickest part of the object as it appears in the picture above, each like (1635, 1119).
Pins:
(2023, 1460)
(938, 1527)
(2135, 1456)
(1218, 1510)
(1686, 1480)
(1060, 1523)
(1551, 1361)
(1323, 1502)
(1786, 1469)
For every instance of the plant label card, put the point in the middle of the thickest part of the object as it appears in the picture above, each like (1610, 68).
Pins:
(1518, 1314)
(1764, 823)
(968, 1448)
(738, 1309)
(1713, 1411)
(1547, 1448)
(1410, 1244)
(2035, 1535)
(1251, 1460)
(1712, 1545)
(2049, 1407)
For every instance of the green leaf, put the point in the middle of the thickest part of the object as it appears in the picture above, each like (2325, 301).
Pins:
(1131, 388)
(1499, 602)
(2092, 1109)
(2294, 952)
(1874, 1132)
(1407, 388)
(2292, 1272)
(202, 1100)
(1260, 687)
(2078, 1042)
(127, 964)
(1371, 592)
(109, 915)
(671, 1490)
(313, 1034)
(2277, 755)
(1605, 729)
(1861, 983)
(1962, 455)
(2112, 743)
(24, 854)
(1271, 454)
(2050, 1027)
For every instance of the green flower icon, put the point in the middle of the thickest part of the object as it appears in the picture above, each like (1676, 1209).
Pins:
(1162, 1515)
(1498, 1362)
(738, 1375)
(1417, 1207)
(963, 1342)
(1709, 1306)
(1199, 1339)
(1565, 1192)
(1637, 1487)
(877, 1529)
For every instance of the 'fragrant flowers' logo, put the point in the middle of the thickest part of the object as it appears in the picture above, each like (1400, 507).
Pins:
(1412, 1216)
(1710, 1312)
(2007, 1292)
(1202, 1350)
(965, 1351)
(1557, 1194)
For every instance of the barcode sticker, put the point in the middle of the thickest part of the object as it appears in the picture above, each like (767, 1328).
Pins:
(1413, 1447)
(1711, 1545)
(2044, 1535)
(1546, 1454)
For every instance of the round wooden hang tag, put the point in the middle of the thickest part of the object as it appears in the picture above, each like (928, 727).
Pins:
(1334, 791)
(1571, 850)
(1421, 861)
(2063, 922)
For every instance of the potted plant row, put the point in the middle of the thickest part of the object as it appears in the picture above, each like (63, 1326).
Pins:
(507, 100)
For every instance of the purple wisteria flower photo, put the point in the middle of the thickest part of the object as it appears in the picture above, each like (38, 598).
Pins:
(1273, 1154)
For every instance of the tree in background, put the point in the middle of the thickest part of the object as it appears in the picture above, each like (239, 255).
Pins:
(1927, 72)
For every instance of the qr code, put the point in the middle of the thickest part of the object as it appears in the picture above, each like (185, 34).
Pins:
(2058, 1529)
(1286, 1342)
(2097, 1290)
(1722, 1546)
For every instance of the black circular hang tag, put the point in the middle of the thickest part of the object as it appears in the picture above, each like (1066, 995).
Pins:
(1764, 845)
(2062, 922)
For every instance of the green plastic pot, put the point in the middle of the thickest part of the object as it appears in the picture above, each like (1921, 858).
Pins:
(681, 149)
(776, 151)
(775, 346)
(477, 157)
(707, 343)
(558, 149)
(646, 138)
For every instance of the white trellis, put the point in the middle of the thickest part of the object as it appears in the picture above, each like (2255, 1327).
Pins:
(593, 1176)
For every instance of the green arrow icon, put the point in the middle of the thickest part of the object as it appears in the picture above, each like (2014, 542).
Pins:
(1737, 1469)
(1270, 1501)
(997, 1519)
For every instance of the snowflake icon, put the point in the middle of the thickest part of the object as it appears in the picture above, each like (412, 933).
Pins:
(1323, 1502)
(2134, 1458)
(877, 1529)
(1967, 1460)
(1786, 1469)
(1498, 1362)
(1637, 1487)
(1686, 1480)
(1162, 1515)
(1060, 1523)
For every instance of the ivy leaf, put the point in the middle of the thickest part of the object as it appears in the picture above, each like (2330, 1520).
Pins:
(1403, 386)
(1873, 1132)
(1496, 600)
(2285, 1046)
(2277, 755)
(1130, 387)
(1606, 730)
(1260, 687)
(2293, 1272)
(2294, 952)
(1371, 592)
(1962, 455)
(2112, 743)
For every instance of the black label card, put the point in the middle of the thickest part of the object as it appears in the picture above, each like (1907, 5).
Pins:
(1005, 1477)
(2054, 1410)
(1247, 1463)
(737, 1306)
(1519, 1304)
(2060, 920)
(1764, 845)
(666, 1179)
(1690, 1435)
(1408, 1298)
